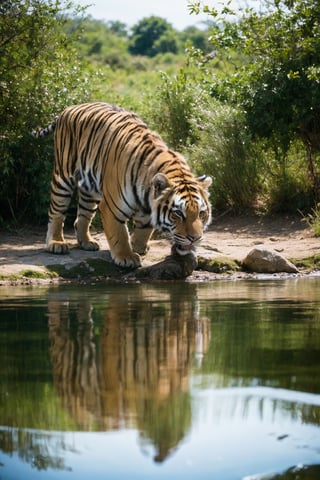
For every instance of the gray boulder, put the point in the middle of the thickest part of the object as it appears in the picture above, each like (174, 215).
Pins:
(262, 260)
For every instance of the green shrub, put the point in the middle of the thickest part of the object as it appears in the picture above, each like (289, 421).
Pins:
(40, 75)
(226, 152)
(276, 83)
(313, 220)
(287, 182)
(174, 108)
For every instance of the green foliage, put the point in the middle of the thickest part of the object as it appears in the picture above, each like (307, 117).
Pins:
(277, 82)
(236, 102)
(40, 75)
(166, 43)
(102, 43)
(226, 152)
(174, 107)
(199, 39)
(313, 220)
(287, 181)
(152, 35)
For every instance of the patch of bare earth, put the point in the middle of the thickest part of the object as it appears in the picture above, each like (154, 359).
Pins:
(235, 236)
(231, 237)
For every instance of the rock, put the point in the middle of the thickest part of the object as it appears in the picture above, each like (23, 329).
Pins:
(173, 267)
(262, 260)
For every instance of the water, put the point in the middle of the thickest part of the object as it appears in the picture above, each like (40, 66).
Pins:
(177, 381)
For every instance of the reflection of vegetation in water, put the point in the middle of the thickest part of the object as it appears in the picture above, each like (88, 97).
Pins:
(25, 369)
(27, 396)
(274, 344)
(265, 341)
(303, 472)
(36, 448)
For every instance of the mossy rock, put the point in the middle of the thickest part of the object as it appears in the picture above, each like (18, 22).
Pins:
(87, 268)
(28, 276)
(37, 275)
(218, 265)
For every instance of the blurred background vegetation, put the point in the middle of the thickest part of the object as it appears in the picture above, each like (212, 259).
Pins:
(239, 97)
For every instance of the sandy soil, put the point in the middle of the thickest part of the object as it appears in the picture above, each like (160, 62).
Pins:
(231, 237)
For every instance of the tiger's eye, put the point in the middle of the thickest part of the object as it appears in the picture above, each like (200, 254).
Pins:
(203, 215)
(178, 214)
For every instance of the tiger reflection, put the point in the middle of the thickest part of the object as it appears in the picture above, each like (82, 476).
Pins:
(73, 357)
(136, 372)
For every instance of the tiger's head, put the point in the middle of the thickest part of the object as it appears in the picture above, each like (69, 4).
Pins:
(181, 210)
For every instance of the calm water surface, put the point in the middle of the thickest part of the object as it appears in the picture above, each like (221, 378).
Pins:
(175, 381)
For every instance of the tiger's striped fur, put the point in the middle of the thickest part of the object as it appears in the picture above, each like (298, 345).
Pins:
(118, 164)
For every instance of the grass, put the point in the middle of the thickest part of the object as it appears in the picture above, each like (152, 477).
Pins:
(35, 274)
(313, 220)
(308, 263)
(30, 275)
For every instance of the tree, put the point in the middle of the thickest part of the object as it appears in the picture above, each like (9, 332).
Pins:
(118, 28)
(278, 84)
(150, 36)
(198, 38)
(40, 75)
(102, 42)
(166, 43)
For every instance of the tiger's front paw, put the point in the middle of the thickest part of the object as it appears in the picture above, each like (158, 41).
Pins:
(139, 240)
(129, 261)
(57, 247)
(141, 249)
(91, 246)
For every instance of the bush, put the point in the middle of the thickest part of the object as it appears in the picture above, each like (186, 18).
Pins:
(313, 220)
(277, 81)
(40, 75)
(174, 108)
(226, 152)
(213, 135)
(287, 180)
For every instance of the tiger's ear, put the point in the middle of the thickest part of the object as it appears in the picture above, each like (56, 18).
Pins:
(160, 182)
(205, 181)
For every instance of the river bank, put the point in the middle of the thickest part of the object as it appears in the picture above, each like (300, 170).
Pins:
(226, 243)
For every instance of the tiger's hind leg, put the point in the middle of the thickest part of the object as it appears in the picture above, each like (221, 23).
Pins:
(87, 207)
(61, 194)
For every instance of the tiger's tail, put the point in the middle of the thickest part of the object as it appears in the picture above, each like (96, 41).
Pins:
(43, 132)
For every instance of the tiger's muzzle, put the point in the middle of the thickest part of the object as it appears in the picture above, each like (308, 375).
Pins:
(184, 245)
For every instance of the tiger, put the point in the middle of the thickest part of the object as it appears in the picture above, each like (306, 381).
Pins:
(119, 165)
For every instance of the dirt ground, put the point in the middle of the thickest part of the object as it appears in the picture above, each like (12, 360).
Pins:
(231, 237)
